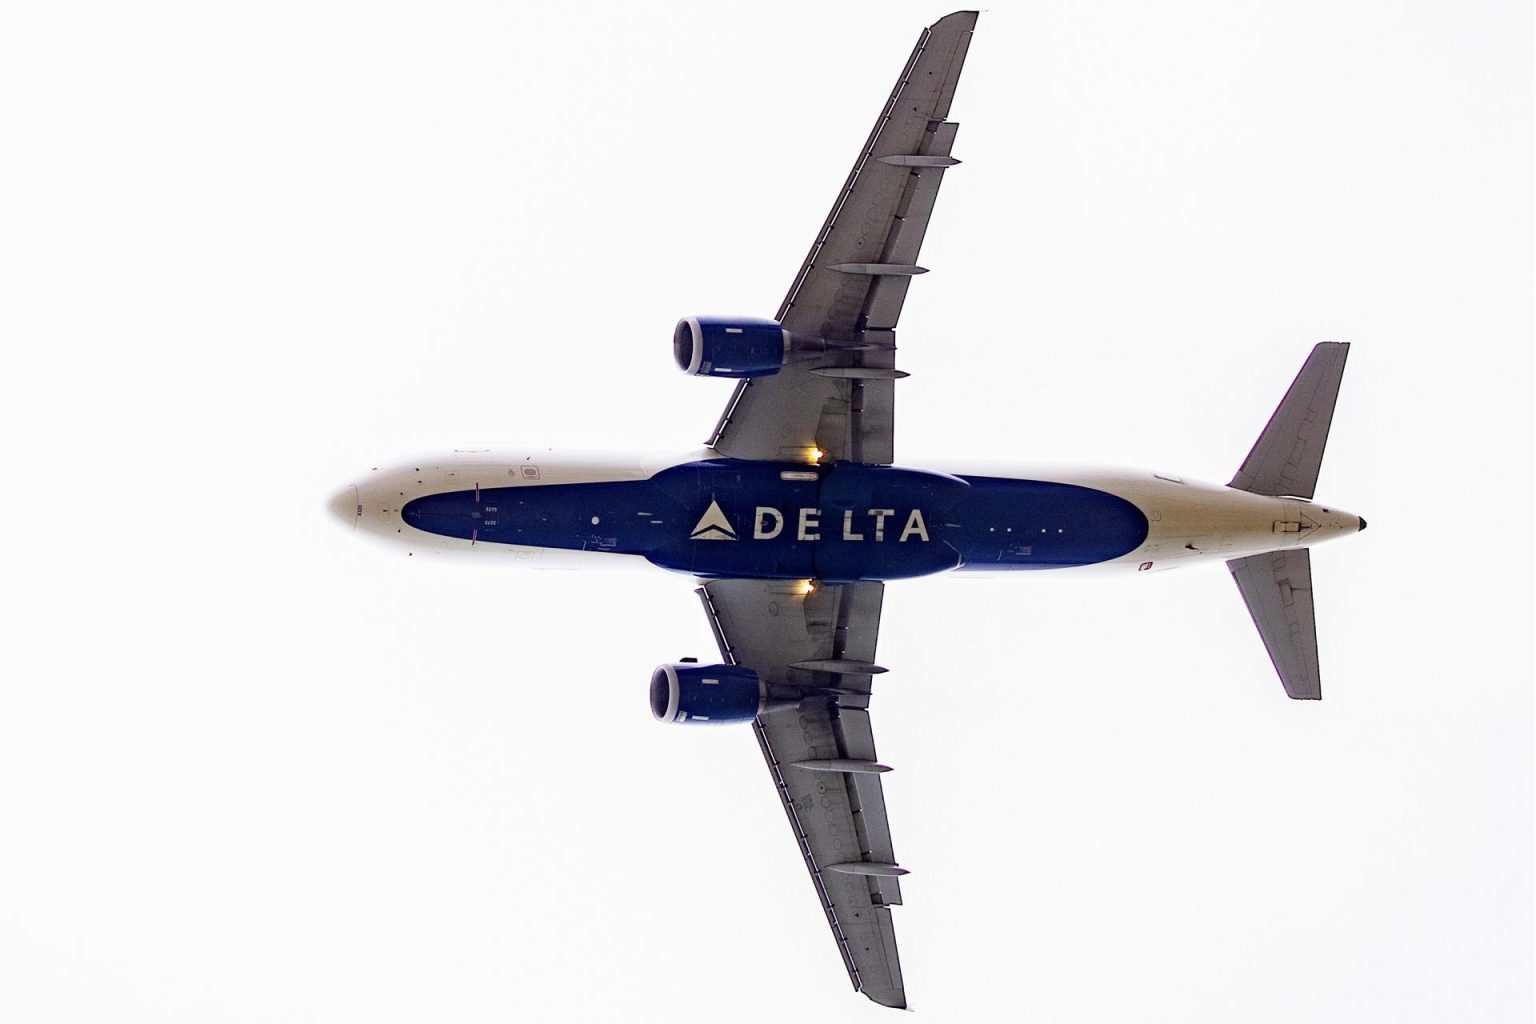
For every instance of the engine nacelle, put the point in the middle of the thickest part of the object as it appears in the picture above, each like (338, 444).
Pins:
(712, 694)
(714, 346)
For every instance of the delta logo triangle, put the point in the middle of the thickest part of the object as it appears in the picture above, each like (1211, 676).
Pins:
(713, 525)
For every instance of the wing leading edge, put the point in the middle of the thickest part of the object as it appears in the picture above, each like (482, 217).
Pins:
(836, 391)
(820, 752)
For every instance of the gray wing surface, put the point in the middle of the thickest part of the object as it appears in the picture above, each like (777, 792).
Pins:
(1277, 588)
(820, 751)
(836, 392)
(1287, 456)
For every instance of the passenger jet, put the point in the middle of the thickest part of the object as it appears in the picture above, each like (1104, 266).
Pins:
(794, 514)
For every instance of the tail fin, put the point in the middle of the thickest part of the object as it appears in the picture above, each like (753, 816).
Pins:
(1286, 457)
(1277, 588)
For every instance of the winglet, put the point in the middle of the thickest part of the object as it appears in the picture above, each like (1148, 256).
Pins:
(1288, 454)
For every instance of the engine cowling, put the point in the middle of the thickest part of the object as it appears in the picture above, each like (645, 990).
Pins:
(714, 346)
(708, 694)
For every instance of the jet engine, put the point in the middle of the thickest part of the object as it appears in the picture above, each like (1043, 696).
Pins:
(712, 346)
(714, 694)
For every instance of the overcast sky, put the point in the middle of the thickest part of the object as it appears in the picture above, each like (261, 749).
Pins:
(252, 769)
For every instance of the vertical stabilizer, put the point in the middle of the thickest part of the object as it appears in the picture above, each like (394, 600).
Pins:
(1286, 457)
(1277, 587)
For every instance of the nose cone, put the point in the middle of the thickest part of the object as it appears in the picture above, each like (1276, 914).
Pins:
(1362, 524)
(345, 507)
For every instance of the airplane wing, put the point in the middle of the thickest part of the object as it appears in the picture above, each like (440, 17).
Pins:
(836, 391)
(821, 751)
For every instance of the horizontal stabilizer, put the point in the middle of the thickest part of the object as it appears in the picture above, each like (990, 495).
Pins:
(1286, 457)
(1277, 587)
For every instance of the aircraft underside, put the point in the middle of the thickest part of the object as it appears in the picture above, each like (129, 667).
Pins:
(730, 518)
(795, 513)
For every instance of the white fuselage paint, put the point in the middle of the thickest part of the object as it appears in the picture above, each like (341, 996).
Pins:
(1188, 521)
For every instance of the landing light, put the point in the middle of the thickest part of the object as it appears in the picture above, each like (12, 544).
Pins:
(808, 587)
(815, 454)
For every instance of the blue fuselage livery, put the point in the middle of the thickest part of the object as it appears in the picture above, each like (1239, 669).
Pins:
(724, 518)
(793, 513)
(734, 518)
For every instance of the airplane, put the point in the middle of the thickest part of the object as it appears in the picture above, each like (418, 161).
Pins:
(794, 514)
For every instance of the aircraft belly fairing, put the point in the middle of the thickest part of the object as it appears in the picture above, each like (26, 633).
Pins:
(794, 513)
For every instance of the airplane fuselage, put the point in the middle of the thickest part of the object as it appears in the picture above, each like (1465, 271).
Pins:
(717, 517)
(795, 511)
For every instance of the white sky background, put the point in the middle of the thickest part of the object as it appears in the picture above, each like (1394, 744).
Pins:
(252, 769)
